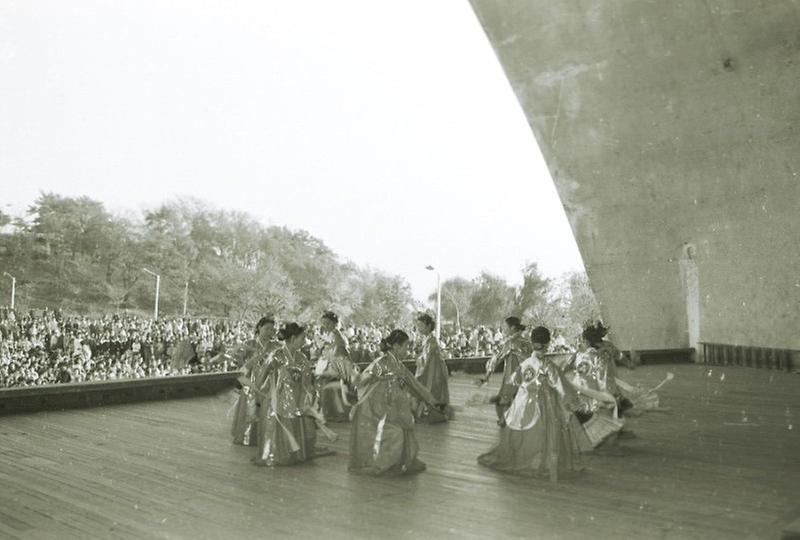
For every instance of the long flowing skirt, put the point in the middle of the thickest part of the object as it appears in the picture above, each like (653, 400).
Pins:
(435, 378)
(334, 408)
(548, 449)
(245, 422)
(597, 429)
(276, 447)
(379, 446)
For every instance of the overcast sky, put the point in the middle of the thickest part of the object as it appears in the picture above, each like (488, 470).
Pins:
(388, 129)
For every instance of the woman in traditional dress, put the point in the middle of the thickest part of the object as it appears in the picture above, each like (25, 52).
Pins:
(252, 356)
(592, 372)
(516, 348)
(432, 373)
(538, 438)
(631, 400)
(335, 373)
(288, 430)
(382, 439)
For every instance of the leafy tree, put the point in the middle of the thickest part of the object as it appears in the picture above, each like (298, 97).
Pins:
(583, 306)
(312, 266)
(532, 295)
(492, 301)
(456, 298)
(73, 226)
(71, 252)
(384, 299)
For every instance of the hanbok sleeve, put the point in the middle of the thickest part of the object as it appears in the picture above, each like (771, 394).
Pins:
(434, 350)
(569, 365)
(423, 359)
(599, 395)
(496, 359)
(552, 378)
(250, 363)
(417, 389)
(308, 380)
(516, 377)
(272, 363)
(610, 355)
(243, 355)
(491, 364)
(371, 373)
(342, 348)
(435, 353)
(569, 400)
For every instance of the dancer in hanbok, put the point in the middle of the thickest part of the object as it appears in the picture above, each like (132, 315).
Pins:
(252, 356)
(382, 438)
(538, 438)
(433, 374)
(592, 372)
(596, 410)
(288, 430)
(631, 400)
(335, 373)
(515, 349)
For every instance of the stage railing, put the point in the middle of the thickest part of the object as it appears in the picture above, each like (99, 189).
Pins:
(720, 354)
(91, 394)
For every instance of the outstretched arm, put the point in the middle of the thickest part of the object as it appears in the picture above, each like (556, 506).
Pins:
(516, 376)
(370, 374)
(270, 365)
(570, 363)
(422, 361)
(599, 395)
(341, 349)
(416, 388)
(492, 364)
(243, 356)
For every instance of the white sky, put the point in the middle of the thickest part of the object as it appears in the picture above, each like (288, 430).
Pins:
(387, 129)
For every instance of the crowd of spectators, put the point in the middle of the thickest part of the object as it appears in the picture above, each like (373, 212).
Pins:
(48, 347)
(365, 342)
(473, 341)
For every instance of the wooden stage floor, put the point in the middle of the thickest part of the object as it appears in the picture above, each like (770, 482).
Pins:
(724, 463)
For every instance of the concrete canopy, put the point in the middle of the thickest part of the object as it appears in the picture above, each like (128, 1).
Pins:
(672, 133)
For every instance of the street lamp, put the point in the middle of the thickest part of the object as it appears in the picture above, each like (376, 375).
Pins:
(185, 297)
(158, 287)
(438, 302)
(13, 288)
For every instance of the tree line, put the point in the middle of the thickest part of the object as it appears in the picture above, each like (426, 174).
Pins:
(564, 304)
(71, 252)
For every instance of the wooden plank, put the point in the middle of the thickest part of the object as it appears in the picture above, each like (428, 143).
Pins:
(722, 464)
(792, 530)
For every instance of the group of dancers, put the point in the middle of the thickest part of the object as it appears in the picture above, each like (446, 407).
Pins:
(548, 413)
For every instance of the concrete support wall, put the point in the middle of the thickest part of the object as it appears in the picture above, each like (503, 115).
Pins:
(670, 127)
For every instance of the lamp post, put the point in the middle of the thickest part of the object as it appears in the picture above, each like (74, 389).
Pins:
(185, 297)
(438, 302)
(13, 288)
(158, 287)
